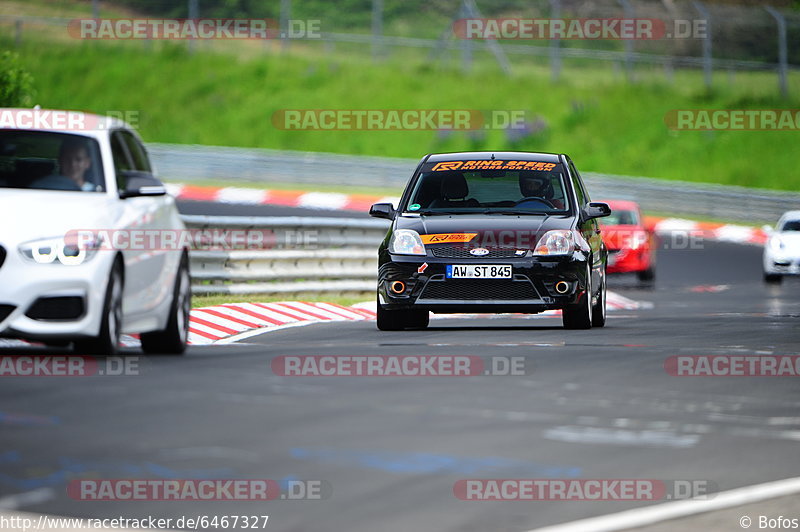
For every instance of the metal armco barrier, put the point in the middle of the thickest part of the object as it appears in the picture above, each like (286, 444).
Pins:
(300, 255)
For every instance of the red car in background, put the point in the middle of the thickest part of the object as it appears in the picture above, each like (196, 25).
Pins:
(631, 246)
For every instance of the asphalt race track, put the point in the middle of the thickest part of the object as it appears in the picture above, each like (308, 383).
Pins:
(596, 405)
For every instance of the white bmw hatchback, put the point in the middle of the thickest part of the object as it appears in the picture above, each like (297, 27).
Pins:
(76, 196)
(782, 249)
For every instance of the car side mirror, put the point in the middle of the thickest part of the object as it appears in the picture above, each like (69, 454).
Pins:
(139, 184)
(596, 209)
(382, 210)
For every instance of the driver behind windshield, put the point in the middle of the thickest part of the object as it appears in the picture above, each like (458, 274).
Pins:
(536, 185)
(74, 162)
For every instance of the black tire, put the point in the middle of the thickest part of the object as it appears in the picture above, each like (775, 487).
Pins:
(391, 320)
(172, 340)
(773, 278)
(648, 275)
(418, 319)
(599, 309)
(579, 315)
(107, 342)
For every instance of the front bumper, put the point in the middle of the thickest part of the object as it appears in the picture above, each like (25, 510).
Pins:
(531, 289)
(52, 301)
(781, 263)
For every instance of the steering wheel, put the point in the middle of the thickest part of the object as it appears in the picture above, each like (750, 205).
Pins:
(535, 198)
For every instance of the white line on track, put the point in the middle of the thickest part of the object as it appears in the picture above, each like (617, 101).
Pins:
(18, 500)
(677, 509)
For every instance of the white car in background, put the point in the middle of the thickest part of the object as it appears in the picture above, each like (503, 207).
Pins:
(89, 175)
(782, 249)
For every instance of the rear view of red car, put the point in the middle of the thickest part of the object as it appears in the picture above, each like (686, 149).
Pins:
(631, 247)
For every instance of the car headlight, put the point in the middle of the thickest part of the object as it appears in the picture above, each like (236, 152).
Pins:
(556, 242)
(70, 252)
(776, 243)
(406, 242)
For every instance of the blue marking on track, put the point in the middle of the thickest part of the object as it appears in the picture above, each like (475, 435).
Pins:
(423, 463)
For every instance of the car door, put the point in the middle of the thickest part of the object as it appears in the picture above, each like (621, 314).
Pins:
(590, 229)
(144, 259)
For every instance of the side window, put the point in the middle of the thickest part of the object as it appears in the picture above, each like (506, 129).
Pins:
(137, 151)
(122, 161)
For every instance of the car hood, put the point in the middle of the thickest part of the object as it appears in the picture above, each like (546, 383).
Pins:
(491, 230)
(33, 214)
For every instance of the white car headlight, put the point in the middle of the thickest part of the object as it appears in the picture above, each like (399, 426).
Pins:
(406, 242)
(776, 243)
(51, 250)
(556, 242)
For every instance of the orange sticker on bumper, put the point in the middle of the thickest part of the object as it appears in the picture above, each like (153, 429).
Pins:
(444, 238)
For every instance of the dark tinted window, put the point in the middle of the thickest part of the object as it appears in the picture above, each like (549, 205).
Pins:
(457, 186)
(791, 225)
(137, 151)
(50, 161)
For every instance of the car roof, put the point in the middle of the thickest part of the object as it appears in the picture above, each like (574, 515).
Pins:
(790, 215)
(501, 155)
(46, 121)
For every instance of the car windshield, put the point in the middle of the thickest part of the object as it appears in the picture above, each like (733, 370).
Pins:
(514, 187)
(791, 225)
(50, 161)
(621, 217)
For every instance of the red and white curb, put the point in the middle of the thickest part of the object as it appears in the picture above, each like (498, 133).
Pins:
(332, 201)
(739, 234)
(231, 322)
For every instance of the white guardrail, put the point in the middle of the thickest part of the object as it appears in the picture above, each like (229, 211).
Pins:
(302, 255)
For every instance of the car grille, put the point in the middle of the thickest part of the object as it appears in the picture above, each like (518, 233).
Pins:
(479, 289)
(2, 255)
(458, 252)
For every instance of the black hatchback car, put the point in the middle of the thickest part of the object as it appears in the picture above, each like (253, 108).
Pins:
(492, 232)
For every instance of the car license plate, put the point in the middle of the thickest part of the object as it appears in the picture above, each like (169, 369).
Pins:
(479, 271)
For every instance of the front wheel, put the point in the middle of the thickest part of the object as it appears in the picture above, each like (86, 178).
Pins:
(397, 320)
(172, 340)
(579, 315)
(107, 342)
(647, 276)
(773, 278)
(599, 308)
